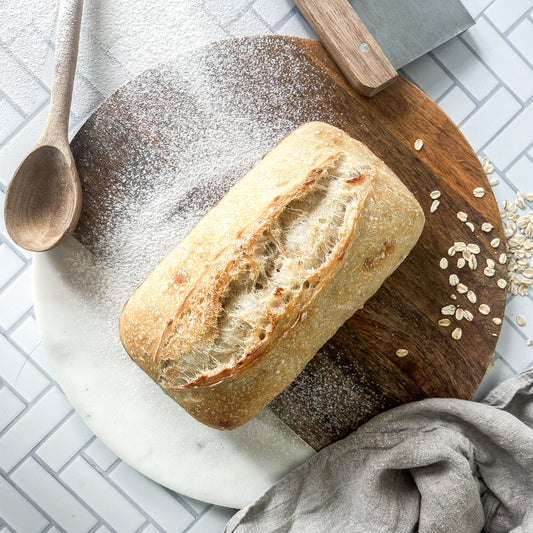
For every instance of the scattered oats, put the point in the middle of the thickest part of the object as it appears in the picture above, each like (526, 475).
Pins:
(489, 272)
(486, 227)
(457, 333)
(528, 273)
(529, 196)
(401, 352)
(468, 315)
(418, 144)
(459, 246)
(473, 248)
(461, 262)
(444, 322)
(522, 222)
(434, 206)
(520, 320)
(490, 263)
(451, 251)
(502, 259)
(497, 321)
(494, 181)
(461, 288)
(502, 283)
(495, 243)
(443, 263)
(520, 197)
(454, 280)
(494, 334)
(462, 216)
(488, 168)
(479, 192)
(453, 296)
(459, 313)
(448, 310)
(434, 195)
(472, 262)
(466, 255)
(471, 295)
(471, 226)
(484, 309)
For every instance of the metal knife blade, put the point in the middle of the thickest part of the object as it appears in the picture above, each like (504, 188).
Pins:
(407, 29)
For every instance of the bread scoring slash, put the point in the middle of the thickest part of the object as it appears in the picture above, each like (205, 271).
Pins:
(233, 314)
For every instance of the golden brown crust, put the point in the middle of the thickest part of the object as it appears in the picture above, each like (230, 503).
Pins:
(178, 324)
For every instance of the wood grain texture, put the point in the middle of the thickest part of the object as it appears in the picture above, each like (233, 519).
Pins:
(357, 373)
(342, 32)
(43, 200)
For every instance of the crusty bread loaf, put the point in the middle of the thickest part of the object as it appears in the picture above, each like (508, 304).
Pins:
(232, 315)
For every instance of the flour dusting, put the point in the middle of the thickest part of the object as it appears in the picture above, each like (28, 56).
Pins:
(173, 141)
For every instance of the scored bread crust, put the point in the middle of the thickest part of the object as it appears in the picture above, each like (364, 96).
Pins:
(233, 314)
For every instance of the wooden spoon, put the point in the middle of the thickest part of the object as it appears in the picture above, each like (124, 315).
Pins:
(43, 200)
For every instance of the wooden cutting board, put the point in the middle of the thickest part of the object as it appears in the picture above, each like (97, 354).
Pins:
(357, 374)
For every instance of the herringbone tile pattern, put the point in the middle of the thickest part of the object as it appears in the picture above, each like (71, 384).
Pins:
(56, 475)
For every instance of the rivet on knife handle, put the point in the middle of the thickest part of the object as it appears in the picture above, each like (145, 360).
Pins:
(350, 44)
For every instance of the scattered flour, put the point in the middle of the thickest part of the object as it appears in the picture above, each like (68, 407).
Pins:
(176, 139)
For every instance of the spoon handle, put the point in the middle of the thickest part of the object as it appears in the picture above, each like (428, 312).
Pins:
(66, 54)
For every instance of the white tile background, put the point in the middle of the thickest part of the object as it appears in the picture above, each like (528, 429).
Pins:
(55, 474)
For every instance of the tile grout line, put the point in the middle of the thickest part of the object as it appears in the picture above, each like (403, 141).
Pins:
(200, 516)
(29, 405)
(30, 500)
(472, 113)
(505, 36)
(461, 38)
(13, 278)
(19, 397)
(126, 495)
(67, 487)
(13, 104)
(144, 525)
(19, 128)
(24, 67)
(477, 101)
(182, 501)
(512, 163)
(285, 19)
(27, 313)
(31, 452)
(4, 239)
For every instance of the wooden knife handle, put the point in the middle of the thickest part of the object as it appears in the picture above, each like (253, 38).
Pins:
(349, 43)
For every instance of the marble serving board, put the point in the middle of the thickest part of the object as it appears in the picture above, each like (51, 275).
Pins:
(141, 132)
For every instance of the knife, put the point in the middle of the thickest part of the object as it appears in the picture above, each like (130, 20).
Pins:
(371, 39)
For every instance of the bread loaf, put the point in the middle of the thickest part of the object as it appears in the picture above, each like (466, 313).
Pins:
(232, 315)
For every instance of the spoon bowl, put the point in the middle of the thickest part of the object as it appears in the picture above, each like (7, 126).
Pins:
(43, 201)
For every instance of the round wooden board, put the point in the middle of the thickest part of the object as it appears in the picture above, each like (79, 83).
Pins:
(357, 374)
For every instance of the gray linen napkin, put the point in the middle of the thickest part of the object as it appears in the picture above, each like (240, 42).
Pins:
(438, 465)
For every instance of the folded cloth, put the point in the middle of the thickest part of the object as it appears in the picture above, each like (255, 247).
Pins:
(438, 465)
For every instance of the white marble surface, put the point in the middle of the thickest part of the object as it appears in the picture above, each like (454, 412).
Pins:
(135, 419)
(50, 461)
